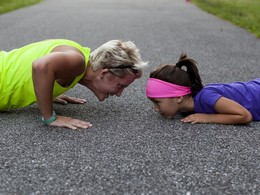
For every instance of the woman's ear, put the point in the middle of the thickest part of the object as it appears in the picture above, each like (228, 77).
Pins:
(103, 72)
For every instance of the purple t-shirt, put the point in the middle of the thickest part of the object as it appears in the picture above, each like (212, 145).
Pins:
(246, 94)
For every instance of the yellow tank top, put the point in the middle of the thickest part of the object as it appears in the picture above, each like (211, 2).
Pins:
(16, 84)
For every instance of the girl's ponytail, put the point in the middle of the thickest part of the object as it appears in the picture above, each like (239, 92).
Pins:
(175, 74)
(193, 72)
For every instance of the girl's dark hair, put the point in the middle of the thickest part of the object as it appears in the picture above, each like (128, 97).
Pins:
(178, 76)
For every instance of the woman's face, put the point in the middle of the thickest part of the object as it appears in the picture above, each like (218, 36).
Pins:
(111, 85)
(167, 107)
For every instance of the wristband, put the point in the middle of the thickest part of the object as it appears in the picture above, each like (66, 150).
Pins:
(50, 120)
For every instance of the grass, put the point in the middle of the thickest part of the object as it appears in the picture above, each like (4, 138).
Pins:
(244, 13)
(9, 5)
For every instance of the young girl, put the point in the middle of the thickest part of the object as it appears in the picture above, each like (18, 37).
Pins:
(175, 90)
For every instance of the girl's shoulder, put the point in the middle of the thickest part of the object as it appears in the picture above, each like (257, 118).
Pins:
(209, 93)
(205, 100)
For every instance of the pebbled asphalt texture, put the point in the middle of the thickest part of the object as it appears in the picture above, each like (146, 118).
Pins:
(131, 149)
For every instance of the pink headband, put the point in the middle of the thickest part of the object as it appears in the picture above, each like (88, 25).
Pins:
(160, 89)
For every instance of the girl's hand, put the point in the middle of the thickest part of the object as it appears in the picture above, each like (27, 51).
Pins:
(68, 122)
(64, 99)
(197, 118)
(228, 112)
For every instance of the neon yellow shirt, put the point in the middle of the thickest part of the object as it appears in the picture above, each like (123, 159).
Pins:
(16, 84)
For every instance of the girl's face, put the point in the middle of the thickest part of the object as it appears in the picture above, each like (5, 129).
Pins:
(167, 107)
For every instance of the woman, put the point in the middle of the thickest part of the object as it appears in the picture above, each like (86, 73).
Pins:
(43, 71)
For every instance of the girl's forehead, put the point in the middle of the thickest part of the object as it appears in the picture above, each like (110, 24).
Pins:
(157, 99)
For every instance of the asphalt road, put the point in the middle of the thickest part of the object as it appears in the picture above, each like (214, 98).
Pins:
(130, 149)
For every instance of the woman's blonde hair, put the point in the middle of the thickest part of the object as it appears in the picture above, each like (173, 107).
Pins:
(119, 57)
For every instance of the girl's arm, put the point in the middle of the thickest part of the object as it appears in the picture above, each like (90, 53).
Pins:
(228, 112)
(63, 67)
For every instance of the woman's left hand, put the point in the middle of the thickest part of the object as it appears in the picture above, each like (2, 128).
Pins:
(64, 99)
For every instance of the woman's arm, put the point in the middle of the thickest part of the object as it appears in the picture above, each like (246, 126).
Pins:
(228, 112)
(63, 66)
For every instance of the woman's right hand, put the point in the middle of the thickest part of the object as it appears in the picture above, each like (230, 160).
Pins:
(71, 123)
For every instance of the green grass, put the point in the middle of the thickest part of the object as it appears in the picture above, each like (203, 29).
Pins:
(9, 5)
(244, 13)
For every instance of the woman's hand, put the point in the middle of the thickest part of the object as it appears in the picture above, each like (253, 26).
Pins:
(68, 122)
(64, 99)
